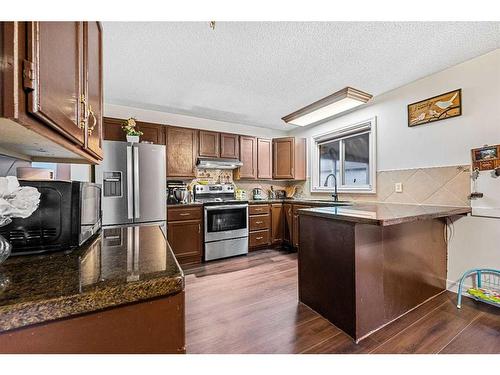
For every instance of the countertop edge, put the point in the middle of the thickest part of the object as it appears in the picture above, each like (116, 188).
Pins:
(452, 211)
(25, 314)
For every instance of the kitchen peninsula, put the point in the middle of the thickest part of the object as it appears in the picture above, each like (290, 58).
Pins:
(363, 266)
(121, 293)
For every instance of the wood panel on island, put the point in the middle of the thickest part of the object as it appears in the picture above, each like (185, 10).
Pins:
(185, 233)
(55, 103)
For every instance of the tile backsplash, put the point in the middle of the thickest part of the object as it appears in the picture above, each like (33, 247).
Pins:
(445, 186)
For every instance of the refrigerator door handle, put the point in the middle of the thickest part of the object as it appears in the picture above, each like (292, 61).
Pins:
(130, 188)
(137, 210)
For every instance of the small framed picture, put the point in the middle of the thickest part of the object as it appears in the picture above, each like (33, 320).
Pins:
(440, 107)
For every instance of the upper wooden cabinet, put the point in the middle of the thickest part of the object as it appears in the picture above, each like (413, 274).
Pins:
(248, 156)
(229, 146)
(182, 144)
(264, 158)
(55, 56)
(93, 86)
(154, 133)
(218, 145)
(51, 90)
(209, 144)
(289, 158)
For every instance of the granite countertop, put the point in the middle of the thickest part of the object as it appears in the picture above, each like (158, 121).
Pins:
(122, 265)
(384, 213)
(308, 201)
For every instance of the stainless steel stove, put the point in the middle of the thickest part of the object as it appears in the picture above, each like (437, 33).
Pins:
(226, 221)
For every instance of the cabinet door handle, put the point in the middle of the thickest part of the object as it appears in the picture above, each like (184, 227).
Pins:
(258, 222)
(199, 228)
(184, 214)
(259, 238)
(94, 122)
(83, 112)
(257, 209)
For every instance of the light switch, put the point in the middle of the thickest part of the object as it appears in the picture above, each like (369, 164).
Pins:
(398, 187)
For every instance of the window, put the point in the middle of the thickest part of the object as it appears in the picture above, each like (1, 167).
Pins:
(346, 156)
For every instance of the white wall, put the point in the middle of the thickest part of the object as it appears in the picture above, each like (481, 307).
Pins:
(80, 172)
(442, 143)
(119, 111)
(448, 142)
(473, 244)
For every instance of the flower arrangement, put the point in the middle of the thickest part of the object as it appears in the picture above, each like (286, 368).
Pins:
(128, 127)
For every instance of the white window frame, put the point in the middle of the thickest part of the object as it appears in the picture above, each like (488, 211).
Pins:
(368, 126)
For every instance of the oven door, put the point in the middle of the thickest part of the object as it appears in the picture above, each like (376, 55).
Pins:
(226, 221)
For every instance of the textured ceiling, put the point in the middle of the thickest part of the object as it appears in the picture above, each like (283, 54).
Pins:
(256, 72)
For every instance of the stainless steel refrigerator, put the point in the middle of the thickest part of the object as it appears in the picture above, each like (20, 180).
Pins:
(133, 183)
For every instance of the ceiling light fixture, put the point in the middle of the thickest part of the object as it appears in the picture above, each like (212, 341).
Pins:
(333, 104)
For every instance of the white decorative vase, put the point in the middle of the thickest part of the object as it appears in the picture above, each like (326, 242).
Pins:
(133, 138)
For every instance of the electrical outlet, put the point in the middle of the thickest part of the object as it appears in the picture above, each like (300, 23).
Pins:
(398, 187)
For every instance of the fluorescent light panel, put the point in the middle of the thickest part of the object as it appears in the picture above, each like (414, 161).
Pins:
(333, 104)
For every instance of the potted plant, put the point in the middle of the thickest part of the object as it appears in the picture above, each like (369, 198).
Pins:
(133, 134)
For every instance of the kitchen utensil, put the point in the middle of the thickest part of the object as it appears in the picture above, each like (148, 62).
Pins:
(258, 194)
(181, 194)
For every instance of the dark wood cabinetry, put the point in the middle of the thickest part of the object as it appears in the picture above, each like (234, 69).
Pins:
(264, 158)
(277, 223)
(209, 144)
(93, 85)
(182, 144)
(289, 158)
(259, 222)
(229, 146)
(51, 90)
(56, 92)
(248, 156)
(218, 145)
(295, 224)
(154, 133)
(185, 233)
(287, 223)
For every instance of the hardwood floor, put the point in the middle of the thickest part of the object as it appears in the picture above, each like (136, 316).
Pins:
(249, 305)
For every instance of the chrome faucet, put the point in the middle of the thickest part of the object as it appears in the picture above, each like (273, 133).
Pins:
(335, 196)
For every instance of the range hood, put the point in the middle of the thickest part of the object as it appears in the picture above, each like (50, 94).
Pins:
(215, 163)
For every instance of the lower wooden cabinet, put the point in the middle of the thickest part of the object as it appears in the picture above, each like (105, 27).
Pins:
(185, 233)
(277, 223)
(258, 238)
(259, 222)
(287, 223)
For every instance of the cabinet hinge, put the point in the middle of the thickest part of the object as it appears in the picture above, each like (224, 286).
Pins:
(28, 75)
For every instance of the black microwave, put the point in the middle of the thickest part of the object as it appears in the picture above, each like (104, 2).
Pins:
(68, 215)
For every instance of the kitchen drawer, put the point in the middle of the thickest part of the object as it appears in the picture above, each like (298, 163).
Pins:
(183, 213)
(258, 209)
(259, 222)
(258, 238)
